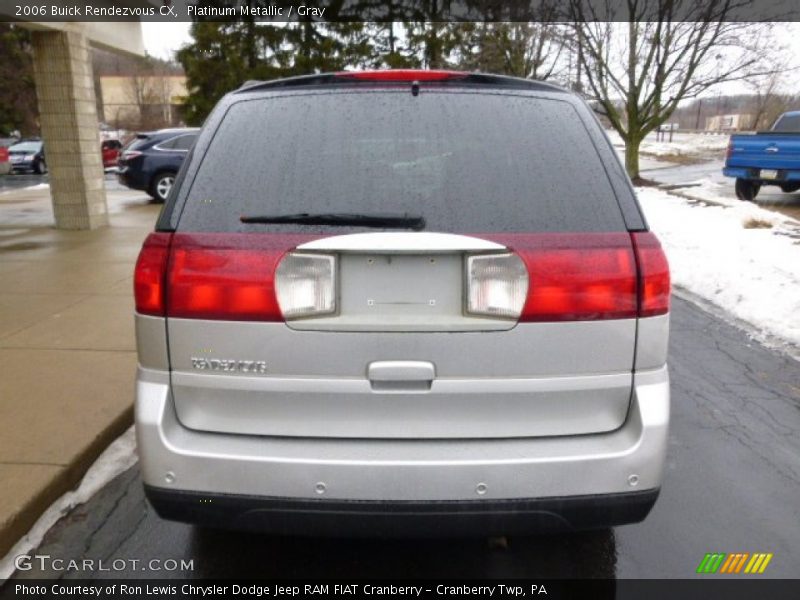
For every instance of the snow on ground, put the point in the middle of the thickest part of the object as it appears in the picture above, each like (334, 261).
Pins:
(696, 145)
(117, 458)
(753, 273)
(686, 144)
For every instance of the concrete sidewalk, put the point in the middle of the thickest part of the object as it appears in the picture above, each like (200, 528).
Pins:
(66, 346)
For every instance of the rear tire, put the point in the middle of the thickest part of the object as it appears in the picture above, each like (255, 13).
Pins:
(161, 186)
(747, 189)
(788, 188)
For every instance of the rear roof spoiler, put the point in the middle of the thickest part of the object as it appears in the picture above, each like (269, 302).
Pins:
(403, 77)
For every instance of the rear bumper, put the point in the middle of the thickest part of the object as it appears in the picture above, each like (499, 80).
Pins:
(753, 173)
(132, 179)
(285, 516)
(529, 484)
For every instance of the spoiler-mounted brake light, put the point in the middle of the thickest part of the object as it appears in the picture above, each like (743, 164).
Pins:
(402, 75)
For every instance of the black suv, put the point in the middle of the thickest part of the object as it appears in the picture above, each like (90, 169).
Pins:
(151, 160)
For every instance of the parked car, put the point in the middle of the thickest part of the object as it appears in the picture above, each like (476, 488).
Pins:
(5, 166)
(374, 304)
(110, 149)
(28, 155)
(151, 160)
(766, 158)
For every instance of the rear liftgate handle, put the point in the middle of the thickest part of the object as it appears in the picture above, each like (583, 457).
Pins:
(401, 376)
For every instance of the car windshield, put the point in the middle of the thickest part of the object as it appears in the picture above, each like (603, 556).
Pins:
(26, 147)
(463, 162)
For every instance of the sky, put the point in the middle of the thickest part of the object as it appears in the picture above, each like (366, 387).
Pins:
(163, 39)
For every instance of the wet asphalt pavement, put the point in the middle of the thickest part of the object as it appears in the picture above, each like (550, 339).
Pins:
(732, 484)
(16, 181)
(769, 198)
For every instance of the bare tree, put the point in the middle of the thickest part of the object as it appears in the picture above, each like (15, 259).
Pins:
(149, 90)
(769, 102)
(668, 50)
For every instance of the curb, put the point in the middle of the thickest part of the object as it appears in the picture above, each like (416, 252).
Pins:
(22, 518)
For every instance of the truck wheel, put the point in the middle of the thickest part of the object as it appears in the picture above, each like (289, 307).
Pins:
(747, 189)
(790, 187)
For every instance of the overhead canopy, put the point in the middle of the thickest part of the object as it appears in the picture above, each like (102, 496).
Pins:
(119, 36)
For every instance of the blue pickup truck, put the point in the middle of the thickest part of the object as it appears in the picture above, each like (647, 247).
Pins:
(766, 158)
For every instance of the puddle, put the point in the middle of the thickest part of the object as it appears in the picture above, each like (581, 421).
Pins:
(22, 246)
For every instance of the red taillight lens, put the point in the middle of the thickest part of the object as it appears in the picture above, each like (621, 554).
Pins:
(729, 151)
(576, 277)
(654, 280)
(402, 75)
(149, 276)
(228, 277)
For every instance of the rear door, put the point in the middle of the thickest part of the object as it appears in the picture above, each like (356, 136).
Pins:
(508, 184)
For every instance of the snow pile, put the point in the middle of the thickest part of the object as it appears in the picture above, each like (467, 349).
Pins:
(715, 192)
(700, 145)
(753, 273)
(116, 459)
(687, 144)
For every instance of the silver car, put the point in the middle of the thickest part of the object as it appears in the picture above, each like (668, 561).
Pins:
(402, 303)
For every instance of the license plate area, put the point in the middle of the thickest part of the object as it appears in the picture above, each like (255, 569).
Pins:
(401, 292)
(389, 285)
(769, 174)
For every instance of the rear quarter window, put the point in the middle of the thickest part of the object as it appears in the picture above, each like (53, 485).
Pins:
(137, 143)
(466, 161)
(788, 124)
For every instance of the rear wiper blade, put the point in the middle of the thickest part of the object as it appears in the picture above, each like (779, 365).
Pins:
(404, 221)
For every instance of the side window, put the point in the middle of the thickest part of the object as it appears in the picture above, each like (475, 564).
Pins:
(184, 142)
(167, 144)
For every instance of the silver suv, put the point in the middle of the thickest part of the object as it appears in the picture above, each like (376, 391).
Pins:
(396, 302)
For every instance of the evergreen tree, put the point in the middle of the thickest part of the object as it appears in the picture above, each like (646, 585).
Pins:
(225, 55)
(18, 106)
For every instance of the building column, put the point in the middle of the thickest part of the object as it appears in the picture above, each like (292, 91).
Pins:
(68, 115)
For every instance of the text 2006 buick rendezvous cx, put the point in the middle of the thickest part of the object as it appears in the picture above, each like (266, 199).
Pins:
(402, 301)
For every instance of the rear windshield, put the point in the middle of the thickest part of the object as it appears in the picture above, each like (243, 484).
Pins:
(26, 147)
(465, 162)
(788, 124)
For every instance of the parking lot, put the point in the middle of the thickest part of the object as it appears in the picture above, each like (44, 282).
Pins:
(733, 445)
(731, 484)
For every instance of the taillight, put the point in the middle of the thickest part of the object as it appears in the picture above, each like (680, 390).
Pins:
(402, 75)
(497, 285)
(227, 277)
(150, 274)
(576, 277)
(306, 285)
(654, 280)
(729, 151)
